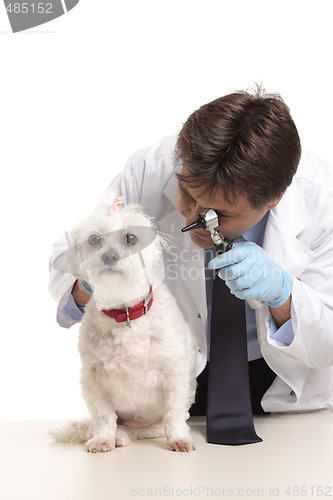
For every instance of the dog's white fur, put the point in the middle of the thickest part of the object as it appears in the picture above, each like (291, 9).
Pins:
(139, 381)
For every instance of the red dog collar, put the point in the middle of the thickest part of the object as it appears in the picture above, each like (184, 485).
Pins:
(130, 313)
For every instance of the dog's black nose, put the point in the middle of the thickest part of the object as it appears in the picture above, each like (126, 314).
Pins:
(110, 257)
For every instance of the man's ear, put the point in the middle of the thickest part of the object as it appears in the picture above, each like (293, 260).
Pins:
(275, 202)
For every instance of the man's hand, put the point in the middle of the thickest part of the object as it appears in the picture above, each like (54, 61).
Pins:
(80, 296)
(251, 274)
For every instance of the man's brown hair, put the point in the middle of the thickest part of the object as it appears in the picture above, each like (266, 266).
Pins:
(245, 143)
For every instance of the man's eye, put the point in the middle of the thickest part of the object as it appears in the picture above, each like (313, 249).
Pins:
(94, 240)
(130, 239)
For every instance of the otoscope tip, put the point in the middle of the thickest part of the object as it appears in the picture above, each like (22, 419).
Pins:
(194, 225)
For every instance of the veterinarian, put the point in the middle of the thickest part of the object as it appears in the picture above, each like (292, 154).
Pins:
(277, 203)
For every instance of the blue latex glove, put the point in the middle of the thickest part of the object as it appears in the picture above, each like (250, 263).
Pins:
(251, 274)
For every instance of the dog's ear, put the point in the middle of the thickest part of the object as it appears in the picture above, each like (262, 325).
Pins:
(60, 264)
(68, 261)
(73, 253)
(110, 202)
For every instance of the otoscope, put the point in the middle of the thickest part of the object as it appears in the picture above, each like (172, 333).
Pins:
(209, 219)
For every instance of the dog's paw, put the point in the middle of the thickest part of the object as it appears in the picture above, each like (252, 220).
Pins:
(181, 444)
(122, 437)
(100, 445)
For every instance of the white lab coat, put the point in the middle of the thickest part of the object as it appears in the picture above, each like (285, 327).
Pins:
(298, 236)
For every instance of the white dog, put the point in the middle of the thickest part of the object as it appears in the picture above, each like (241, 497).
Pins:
(137, 352)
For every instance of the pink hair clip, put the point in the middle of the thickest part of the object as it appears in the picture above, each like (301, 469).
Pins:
(114, 207)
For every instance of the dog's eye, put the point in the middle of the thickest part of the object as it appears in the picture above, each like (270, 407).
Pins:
(130, 239)
(94, 240)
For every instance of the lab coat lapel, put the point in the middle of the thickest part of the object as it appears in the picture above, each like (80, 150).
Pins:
(283, 241)
(190, 257)
(284, 226)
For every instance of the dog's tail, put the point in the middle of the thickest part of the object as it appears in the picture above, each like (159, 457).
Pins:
(74, 431)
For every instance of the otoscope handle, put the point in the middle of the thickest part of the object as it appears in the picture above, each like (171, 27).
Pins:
(254, 303)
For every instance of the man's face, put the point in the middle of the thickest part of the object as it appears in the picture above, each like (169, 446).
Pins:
(235, 218)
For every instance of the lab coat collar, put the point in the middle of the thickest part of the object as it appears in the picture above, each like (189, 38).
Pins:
(170, 190)
(285, 223)
(292, 212)
(171, 224)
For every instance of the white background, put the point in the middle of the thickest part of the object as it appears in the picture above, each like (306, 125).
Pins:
(79, 95)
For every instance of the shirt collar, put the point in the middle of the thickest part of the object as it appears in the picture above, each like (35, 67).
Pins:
(255, 233)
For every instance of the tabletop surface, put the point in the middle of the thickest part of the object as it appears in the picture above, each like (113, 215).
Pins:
(295, 460)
